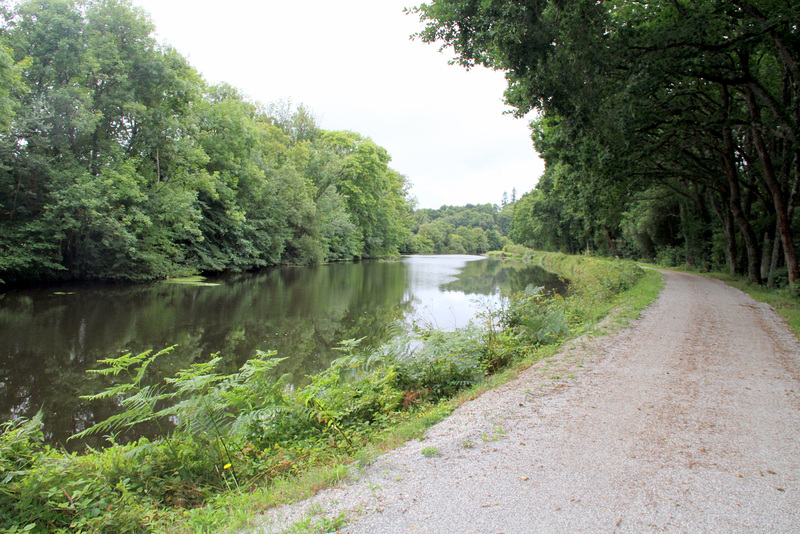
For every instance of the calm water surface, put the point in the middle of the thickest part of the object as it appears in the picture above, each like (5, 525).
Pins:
(49, 338)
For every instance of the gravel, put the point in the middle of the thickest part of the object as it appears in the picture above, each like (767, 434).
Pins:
(688, 421)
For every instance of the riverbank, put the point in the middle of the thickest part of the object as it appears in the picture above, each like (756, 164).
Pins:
(49, 339)
(221, 470)
(686, 420)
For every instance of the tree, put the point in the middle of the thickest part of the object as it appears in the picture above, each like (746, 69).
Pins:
(698, 97)
(10, 83)
(77, 157)
(376, 196)
(545, 218)
(118, 162)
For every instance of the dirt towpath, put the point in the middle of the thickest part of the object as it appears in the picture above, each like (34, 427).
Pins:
(689, 421)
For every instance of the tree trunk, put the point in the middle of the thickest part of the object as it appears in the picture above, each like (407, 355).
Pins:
(729, 230)
(766, 252)
(732, 175)
(612, 247)
(689, 257)
(748, 234)
(776, 191)
(775, 260)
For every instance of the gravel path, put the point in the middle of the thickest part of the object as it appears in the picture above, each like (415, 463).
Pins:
(687, 422)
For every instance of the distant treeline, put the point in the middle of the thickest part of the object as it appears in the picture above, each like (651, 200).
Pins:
(670, 129)
(466, 229)
(119, 162)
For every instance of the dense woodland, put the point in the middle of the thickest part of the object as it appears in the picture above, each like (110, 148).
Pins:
(118, 162)
(669, 131)
(669, 128)
(466, 229)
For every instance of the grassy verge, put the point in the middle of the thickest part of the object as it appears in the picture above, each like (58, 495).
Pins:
(245, 443)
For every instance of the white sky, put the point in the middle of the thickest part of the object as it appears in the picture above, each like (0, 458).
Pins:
(351, 62)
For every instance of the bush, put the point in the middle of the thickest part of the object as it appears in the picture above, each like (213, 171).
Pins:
(45, 490)
(235, 432)
(439, 364)
(533, 319)
(510, 249)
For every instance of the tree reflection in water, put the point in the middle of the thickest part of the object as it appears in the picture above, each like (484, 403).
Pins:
(49, 338)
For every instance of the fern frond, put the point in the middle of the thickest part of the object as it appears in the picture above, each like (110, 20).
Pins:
(348, 346)
(13, 433)
(197, 378)
(137, 401)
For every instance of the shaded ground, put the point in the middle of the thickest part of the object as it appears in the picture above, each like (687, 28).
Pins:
(687, 422)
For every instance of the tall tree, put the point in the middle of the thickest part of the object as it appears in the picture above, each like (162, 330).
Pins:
(669, 92)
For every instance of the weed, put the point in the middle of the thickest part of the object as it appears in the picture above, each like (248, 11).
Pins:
(430, 452)
(333, 523)
(374, 489)
(243, 442)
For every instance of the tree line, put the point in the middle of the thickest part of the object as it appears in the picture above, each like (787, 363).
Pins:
(470, 229)
(119, 162)
(669, 128)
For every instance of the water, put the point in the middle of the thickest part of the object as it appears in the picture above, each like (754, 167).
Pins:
(50, 337)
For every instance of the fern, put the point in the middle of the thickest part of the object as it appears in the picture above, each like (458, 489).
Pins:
(137, 400)
(198, 410)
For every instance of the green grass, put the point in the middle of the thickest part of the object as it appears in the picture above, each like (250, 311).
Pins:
(610, 291)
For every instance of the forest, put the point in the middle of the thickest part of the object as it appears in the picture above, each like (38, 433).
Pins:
(470, 229)
(119, 162)
(669, 128)
(669, 131)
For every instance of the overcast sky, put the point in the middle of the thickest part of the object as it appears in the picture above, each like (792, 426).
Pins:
(351, 62)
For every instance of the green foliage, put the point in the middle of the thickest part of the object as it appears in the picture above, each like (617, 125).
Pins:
(596, 283)
(466, 229)
(45, 490)
(668, 129)
(438, 364)
(346, 398)
(533, 319)
(431, 452)
(233, 433)
(10, 83)
(118, 162)
(138, 399)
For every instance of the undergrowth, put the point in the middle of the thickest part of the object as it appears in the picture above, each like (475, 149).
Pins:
(245, 441)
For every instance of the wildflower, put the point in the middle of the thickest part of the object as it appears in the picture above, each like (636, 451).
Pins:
(226, 466)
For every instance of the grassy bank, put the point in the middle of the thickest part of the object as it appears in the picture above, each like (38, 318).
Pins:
(245, 442)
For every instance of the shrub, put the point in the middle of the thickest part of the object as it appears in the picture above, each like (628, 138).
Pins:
(437, 364)
(233, 432)
(533, 319)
